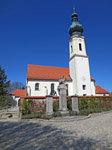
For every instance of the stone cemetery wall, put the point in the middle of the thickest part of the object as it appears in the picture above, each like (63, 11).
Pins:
(38, 104)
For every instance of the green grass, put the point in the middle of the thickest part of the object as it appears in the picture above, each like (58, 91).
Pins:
(94, 110)
(31, 116)
(38, 115)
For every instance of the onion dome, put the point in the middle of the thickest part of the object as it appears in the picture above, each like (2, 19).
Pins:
(75, 28)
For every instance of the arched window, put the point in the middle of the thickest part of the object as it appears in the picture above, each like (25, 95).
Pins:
(80, 47)
(37, 86)
(71, 49)
(52, 87)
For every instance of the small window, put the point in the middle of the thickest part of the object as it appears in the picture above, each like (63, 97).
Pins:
(71, 49)
(52, 87)
(80, 47)
(83, 87)
(53, 92)
(84, 94)
(37, 86)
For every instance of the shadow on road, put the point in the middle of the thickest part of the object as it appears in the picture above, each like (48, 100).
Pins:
(34, 136)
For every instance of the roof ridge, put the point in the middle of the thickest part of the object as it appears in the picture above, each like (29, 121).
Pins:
(47, 66)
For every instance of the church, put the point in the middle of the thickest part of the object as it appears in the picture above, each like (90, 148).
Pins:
(44, 80)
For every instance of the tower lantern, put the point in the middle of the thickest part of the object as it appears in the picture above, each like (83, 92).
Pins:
(75, 28)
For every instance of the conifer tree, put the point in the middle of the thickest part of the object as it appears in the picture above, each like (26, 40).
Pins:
(4, 84)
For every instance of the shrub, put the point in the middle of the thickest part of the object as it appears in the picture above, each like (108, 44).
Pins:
(69, 103)
(57, 114)
(83, 103)
(25, 106)
(55, 106)
(72, 113)
(92, 103)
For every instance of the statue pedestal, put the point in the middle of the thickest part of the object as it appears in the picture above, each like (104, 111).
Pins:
(49, 105)
(64, 113)
(75, 104)
(62, 100)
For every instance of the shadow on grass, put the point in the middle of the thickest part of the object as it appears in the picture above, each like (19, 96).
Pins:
(34, 136)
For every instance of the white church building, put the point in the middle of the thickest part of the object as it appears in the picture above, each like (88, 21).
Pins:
(44, 80)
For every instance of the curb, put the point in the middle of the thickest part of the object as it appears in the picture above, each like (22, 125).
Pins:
(61, 120)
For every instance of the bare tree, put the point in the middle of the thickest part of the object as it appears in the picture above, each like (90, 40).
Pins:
(16, 85)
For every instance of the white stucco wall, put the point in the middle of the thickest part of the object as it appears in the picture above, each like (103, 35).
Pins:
(83, 75)
(72, 69)
(45, 87)
(93, 88)
(80, 74)
(16, 99)
(102, 94)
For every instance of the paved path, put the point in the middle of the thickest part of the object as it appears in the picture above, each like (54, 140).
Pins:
(94, 133)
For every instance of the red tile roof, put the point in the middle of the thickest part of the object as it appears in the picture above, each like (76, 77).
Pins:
(100, 90)
(19, 93)
(47, 72)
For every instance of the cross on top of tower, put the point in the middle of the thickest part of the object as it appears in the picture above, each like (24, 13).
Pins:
(74, 10)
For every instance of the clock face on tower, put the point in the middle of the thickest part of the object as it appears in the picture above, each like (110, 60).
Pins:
(79, 40)
(83, 78)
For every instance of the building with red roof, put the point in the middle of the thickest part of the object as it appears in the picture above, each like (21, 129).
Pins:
(44, 80)
(100, 91)
(47, 77)
(17, 94)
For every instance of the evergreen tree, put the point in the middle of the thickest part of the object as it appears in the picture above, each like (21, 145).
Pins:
(4, 84)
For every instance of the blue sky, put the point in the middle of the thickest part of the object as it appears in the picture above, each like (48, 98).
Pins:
(36, 32)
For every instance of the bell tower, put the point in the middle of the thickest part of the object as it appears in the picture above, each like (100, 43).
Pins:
(78, 61)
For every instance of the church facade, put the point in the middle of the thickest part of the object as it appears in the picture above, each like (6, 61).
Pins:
(44, 80)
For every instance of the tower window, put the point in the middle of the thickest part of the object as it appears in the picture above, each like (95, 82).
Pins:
(71, 49)
(83, 87)
(37, 86)
(80, 47)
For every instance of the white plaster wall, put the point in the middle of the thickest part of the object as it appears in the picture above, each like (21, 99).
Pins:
(28, 91)
(15, 99)
(93, 88)
(45, 87)
(72, 70)
(80, 74)
(83, 75)
(102, 94)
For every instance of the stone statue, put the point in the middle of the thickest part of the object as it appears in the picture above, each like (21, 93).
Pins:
(62, 90)
(62, 80)
(61, 83)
